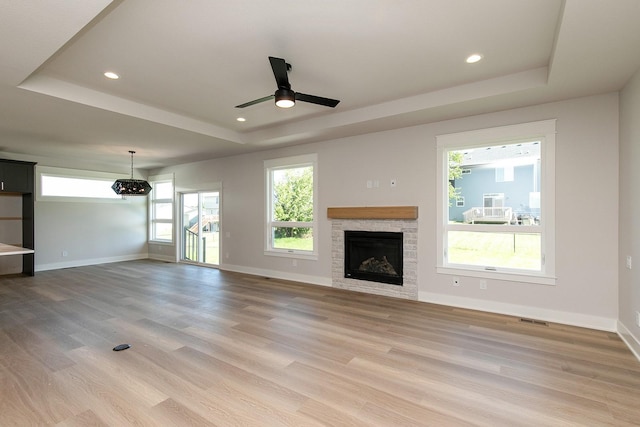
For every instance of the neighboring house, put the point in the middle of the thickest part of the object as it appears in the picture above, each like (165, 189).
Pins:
(499, 184)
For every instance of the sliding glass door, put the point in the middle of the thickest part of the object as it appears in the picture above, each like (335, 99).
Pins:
(201, 227)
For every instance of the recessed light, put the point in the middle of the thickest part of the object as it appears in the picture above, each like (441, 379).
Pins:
(111, 75)
(241, 119)
(472, 59)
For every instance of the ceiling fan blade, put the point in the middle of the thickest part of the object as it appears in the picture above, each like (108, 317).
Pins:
(279, 67)
(327, 102)
(255, 101)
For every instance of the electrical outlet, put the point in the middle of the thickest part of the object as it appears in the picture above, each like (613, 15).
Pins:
(629, 262)
(638, 318)
(456, 281)
(65, 253)
(369, 183)
(483, 284)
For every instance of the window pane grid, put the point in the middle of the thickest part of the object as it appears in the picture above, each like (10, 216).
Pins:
(162, 231)
(496, 201)
(161, 211)
(290, 205)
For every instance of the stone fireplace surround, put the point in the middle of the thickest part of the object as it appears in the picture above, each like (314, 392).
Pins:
(394, 219)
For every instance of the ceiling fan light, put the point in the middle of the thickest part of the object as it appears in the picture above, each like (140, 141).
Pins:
(285, 98)
(285, 103)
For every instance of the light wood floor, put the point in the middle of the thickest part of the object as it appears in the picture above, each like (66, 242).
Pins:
(217, 348)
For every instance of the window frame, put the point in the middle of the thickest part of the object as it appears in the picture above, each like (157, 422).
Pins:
(50, 171)
(545, 131)
(153, 202)
(282, 164)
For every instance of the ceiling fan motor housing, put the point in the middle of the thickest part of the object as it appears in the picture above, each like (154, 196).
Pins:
(285, 97)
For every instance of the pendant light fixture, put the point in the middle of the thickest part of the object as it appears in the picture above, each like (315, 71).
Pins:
(131, 187)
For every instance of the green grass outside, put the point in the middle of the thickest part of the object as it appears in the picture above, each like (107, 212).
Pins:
(507, 250)
(295, 243)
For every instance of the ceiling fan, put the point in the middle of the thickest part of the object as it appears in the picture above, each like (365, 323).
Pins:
(284, 96)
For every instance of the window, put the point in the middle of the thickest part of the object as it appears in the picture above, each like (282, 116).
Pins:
(161, 209)
(291, 186)
(504, 173)
(62, 184)
(504, 227)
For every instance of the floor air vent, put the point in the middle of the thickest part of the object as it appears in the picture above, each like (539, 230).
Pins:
(534, 321)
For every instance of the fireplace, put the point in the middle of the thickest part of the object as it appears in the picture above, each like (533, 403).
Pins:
(375, 256)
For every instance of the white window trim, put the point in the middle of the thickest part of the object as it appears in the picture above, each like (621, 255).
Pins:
(79, 174)
(152, 201)
(546, 130)
(289, 163)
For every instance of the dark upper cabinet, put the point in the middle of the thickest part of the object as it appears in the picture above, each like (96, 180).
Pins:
(16, 177)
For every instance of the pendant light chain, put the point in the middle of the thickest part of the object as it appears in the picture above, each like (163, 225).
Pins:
(132, 153)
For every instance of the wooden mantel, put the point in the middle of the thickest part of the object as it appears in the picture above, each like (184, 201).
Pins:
(373, 212)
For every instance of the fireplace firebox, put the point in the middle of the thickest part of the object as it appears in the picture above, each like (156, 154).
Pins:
(373, 255)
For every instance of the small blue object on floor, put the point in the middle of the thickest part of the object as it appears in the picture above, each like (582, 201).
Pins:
(120, 347)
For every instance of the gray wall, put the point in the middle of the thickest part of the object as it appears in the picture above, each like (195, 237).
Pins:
(89, 233)
(629, 303)
(586, 292)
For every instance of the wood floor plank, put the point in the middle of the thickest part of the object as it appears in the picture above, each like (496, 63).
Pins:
(176, 414)
(108, 364)
(29, 386)
(101, 393)
(38, 348)
(85, 419)
(210, 347)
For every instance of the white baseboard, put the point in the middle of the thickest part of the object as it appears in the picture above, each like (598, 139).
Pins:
(554, 316)
(284, 275)
(165, 258)
(631, 341)
(90, 261)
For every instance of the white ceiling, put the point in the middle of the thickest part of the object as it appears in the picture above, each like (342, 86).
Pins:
(185, 65)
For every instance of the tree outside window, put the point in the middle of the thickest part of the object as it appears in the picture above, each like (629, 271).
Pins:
(293, 203)
(291, 190)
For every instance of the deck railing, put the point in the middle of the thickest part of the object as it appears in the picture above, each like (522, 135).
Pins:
(493, 215)
(190, 245)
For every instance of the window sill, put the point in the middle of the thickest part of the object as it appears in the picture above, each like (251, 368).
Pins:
(287, 254)
(511, 277)
(160, 242)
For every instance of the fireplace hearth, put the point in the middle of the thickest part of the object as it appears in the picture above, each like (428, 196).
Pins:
(375, 256)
